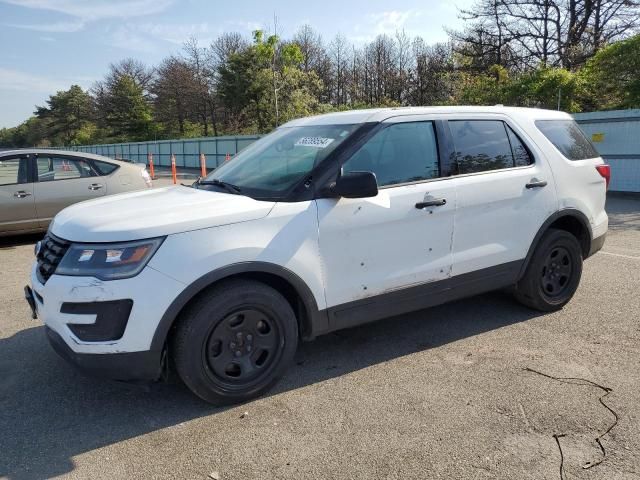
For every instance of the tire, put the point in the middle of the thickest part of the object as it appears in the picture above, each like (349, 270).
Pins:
(235, 341)
(553, 273)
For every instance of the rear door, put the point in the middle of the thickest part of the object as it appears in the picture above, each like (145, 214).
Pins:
(505, 192)
(17, 208)
(63, 181)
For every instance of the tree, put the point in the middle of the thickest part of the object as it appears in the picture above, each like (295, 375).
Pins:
(68, 116)
(123, 102)
(264, 85)
(612, 76)
(196, 59)
(338, 52)
(174, 92)
(125, 110)
(561, 33)
(431, 80)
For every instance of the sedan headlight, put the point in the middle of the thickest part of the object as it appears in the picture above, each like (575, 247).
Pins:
(108, 261)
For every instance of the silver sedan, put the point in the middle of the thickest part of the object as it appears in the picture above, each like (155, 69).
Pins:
(36, 184)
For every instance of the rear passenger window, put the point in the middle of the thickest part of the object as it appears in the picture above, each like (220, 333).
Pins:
(400, 153)
(105, 168)
(483, 145)
(567, 137)
(61, 168)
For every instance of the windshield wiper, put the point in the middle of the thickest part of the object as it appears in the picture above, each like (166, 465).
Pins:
(219, 183)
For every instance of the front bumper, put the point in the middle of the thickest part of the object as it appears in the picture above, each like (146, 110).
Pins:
(79, 310)
(131, 366)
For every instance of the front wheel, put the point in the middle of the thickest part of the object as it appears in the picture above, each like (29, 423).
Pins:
(235, 341)
(553, 273)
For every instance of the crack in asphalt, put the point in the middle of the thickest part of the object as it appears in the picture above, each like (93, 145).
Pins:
(557, 437)
(584, 382)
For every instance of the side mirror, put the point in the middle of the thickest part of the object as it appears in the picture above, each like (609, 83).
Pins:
(356, 185)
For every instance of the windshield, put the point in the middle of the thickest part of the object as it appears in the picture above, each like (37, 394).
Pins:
(275, 163)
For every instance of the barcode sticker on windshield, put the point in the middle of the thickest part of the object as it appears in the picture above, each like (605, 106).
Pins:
(316, 142)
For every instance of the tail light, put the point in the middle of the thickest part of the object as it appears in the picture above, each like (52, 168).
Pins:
(146, 177)
(605, 172)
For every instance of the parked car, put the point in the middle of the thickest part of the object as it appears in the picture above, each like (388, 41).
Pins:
(36, 184)
(327, 223)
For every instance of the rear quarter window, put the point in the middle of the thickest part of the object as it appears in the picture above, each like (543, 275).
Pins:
(105, 168)
(567, 137)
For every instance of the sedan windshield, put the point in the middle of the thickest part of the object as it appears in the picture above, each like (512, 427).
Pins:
(276, 163)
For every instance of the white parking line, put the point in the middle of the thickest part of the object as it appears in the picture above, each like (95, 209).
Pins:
(620, 255)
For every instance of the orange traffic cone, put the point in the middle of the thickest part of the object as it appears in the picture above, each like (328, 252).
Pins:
(173, 169)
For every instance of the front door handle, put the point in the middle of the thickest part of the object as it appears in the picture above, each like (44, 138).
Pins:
(436, 202)
(95, 186)
(21, 194)
(536, 184)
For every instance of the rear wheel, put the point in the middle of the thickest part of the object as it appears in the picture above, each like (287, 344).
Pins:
(553, 273)
(235, 341)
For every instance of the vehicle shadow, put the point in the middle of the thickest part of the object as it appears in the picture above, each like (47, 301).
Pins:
(7, 243)
(624, 212)
(50, 414)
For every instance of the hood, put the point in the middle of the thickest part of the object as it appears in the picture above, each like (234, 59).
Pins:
(154, 213)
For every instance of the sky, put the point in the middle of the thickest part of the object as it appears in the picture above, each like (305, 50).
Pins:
(49, 45)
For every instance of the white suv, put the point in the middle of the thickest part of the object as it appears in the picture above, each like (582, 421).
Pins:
(328, 222)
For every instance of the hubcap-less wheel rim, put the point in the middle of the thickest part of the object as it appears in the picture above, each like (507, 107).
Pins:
(242, 347)
(556, 272)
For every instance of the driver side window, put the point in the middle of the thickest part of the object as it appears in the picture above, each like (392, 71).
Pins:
(400, 153)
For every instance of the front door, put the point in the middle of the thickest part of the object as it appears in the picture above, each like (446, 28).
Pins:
(63, 181)
(17, 208)
(373, 246)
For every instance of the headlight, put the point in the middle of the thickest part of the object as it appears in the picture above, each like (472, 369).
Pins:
(108, 261)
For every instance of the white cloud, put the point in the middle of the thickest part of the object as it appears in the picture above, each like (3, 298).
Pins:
(244, 25)
(19, 81)
(177, 33)
(391, 21)
(384, 23)
(128, 38)
(85, 11)
(96, 9)
(15, 80)
(59, 27)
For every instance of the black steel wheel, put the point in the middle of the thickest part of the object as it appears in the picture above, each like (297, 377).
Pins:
(553, 273)
(235, 341)
(556, 273)
(241, 347)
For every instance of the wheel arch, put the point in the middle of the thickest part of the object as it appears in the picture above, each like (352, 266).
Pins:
(570, 220)
(311, 321)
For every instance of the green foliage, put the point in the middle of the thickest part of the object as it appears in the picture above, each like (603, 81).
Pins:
(545, 87)
(541, 88)
(253, 80)
(68, 117)
(612, 76)
(126, 111)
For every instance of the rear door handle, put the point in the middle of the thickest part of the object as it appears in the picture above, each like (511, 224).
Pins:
(21, 194)
(536, 184)
(95, 186)
(436, 202)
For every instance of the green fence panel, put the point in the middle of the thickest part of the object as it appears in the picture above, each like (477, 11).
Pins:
(187, 151)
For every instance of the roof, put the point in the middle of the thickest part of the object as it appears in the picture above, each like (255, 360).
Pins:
(54, 151)
(380, 114)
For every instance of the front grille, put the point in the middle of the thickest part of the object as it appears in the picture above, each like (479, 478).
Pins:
(51, 252)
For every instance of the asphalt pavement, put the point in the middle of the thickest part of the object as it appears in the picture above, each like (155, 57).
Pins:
(469, 390)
